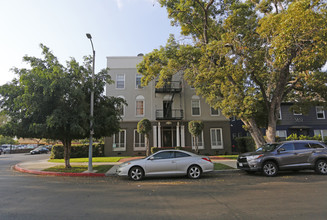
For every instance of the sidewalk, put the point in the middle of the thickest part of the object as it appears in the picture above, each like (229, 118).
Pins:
(36, 167)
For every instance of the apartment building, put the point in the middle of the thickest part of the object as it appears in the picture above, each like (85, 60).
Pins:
(169, 109)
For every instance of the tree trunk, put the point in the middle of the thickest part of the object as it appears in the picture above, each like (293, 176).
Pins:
(147, 145)
(196, 144)
(67, 148)
(255, 132)
(271, 128)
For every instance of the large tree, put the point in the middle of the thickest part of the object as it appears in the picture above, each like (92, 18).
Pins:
(244, 57)
(50, 100)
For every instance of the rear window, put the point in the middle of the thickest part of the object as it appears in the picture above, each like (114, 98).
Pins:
(181, 154)
(301, 146)
(315, 145)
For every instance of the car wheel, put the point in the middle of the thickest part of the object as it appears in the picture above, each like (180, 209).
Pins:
(194, 172)
(321, 167)
(136, 173)
(270, 168)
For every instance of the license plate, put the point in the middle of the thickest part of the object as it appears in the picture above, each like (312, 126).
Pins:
(240, 164)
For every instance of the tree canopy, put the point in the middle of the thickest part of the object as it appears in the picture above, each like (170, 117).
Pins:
(245, 57)
(52, 101)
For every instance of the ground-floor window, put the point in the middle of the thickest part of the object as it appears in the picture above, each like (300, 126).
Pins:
(216, 136)
(200, 141)
(282, 134)
(139, 141)
(119, 141)
(322, 133)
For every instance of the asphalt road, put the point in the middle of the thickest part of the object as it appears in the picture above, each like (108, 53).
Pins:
(224, 195)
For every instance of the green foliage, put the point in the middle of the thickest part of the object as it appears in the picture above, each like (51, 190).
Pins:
(245, 144)
(144, 126)
(195, 127)
(7, 140)
(303, 137)
(246, 57)
(77, 151)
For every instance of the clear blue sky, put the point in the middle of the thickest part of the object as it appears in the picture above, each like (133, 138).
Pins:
(118, 28)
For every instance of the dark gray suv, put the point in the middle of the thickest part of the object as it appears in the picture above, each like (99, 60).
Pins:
(288, 155)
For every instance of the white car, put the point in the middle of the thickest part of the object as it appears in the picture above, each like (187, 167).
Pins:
(167, 163)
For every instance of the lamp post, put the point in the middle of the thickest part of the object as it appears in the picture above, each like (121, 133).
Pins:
(90, 168)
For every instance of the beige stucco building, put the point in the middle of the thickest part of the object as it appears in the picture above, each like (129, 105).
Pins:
(169, 109)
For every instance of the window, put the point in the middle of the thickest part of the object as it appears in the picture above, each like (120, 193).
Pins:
(139, 141)
(320, 112)
(181, 154)
(121, 107)
(214, 112)
(216, 138)
(282, 134)
(322, 133)
(164, 155)
(280, 114)
(301, 146)
(297, 112)
(288, 147)
(315, 145)
(196, 106)
(200, 141)
(119, 141)
(139, 105)
(138, 81)
(120, 81)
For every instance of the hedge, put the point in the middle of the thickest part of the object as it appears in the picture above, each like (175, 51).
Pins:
(245, 144)
(77, 151)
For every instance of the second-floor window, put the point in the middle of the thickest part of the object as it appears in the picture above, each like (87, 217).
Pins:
(139, 105)
(214, 112)
(320, 112)
(195, 106)
(120, 81)
(138, 81)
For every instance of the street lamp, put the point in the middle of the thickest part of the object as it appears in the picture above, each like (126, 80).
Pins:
(90, 168)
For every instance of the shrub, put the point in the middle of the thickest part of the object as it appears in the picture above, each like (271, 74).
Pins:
(77, 151)
(245, 144)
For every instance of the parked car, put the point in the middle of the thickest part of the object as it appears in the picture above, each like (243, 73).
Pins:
(288, 155)
(167, 163)
(40, 150)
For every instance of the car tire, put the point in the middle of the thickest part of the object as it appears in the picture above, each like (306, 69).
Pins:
(270, 168)
(321, 167)
(194, 172)
(136, 173)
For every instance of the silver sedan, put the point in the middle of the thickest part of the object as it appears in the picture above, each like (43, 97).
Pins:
(167, 163)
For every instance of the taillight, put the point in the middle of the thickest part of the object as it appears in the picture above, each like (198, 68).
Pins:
(207, 159)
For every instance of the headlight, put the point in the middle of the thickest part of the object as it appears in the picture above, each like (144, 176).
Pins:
(254, 157)
(125, 164)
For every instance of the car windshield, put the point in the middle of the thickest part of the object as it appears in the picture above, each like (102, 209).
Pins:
(267, 148)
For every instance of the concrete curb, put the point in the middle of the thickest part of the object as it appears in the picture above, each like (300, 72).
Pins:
(48, 173)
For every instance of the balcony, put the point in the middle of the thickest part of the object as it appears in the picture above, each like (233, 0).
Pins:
(170, 87)
(174, 114)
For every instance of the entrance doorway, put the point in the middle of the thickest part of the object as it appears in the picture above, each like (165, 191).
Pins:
(169, 137)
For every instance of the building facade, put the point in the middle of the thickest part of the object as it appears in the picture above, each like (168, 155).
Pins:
(169, 109)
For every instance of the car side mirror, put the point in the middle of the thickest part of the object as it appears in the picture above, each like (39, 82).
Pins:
(281, 149)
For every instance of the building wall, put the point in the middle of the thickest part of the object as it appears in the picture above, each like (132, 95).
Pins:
(165, 133)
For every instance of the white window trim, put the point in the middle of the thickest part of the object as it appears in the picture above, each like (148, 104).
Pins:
(280, 131)
(138, 86)
(193, 144)
(198, 100)
(140, 98)
(121, 74)
(280, 114)
(134, 144)
(221, 137)
(320, 111)
(114, 140)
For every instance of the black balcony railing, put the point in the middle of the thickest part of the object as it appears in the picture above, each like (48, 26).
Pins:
(170, 87)
(174, 114)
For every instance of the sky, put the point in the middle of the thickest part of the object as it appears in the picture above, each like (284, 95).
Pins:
(118, 28)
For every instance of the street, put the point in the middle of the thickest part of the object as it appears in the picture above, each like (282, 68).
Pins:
(220, 195)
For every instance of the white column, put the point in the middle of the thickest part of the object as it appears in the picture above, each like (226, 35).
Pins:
(154, 136)
(177, 135)
(182, 136)
(159, 135)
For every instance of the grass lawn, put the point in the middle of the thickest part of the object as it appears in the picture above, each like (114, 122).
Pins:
(79, 169)
(220, 166)
(82, 160)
